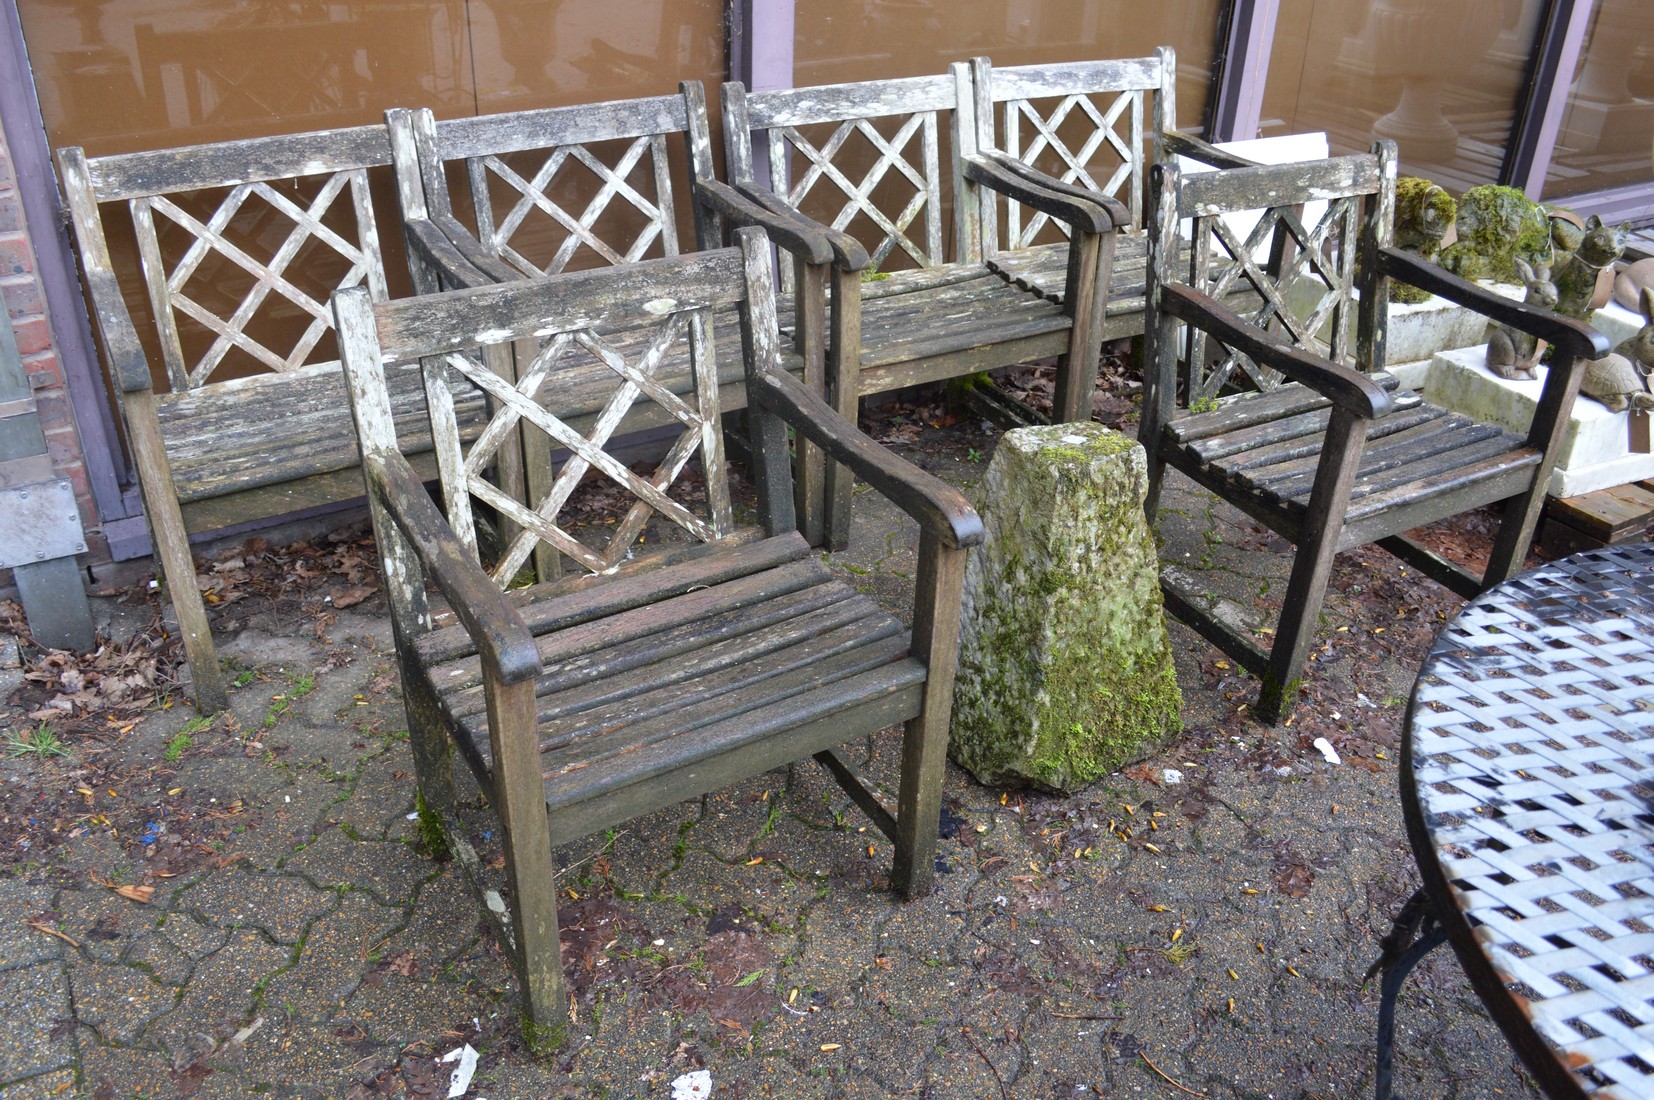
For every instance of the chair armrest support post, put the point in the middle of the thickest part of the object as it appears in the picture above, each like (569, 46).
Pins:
(506, 646)
(941, 510)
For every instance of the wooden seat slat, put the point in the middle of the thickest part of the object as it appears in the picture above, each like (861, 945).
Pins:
(1278, 457)
(1441, 433)
(743, 625)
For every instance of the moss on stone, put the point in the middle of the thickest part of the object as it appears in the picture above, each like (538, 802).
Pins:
(1424, 213)
(1496, 225)
(1066, 672)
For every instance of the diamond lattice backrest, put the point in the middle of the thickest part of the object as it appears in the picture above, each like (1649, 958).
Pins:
(1294, 278)
(608, 346)
(570, 187)
(239, 246)
(1082, 123)
(863, 158)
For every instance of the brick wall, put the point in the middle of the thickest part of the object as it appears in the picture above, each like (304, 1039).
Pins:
(26, 310)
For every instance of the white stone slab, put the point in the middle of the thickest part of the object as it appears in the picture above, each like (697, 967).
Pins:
(1617, 323)
(1594, 454)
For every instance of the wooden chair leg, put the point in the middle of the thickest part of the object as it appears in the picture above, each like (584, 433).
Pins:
(172, 550)
(811, 462)
(520, 801)
(432, 757)
(925, 739)
(1090, 258)
(1516, 527)
(844, 392)
(1307, 587)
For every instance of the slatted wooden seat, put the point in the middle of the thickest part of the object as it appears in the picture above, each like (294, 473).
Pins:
(1286, 413)
(241, 244)
(656, 675)
(864, 160)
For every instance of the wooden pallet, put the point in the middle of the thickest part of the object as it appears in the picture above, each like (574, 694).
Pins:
(1603, 518)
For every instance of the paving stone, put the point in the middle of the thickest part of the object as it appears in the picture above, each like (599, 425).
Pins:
(291, 1058)
(333, 959)
(34, 1000)
(119, 1001)
(391, 871)
(48, 1086)
(284, 819)
(281, 904)
(102, 921)
(221, 996)
(21, 945)
(399, 1010)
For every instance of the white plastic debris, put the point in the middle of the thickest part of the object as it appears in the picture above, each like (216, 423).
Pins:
(693, 1086)
(460, 1081)
(1171, 776)
(1324, 747)
(246, 1033)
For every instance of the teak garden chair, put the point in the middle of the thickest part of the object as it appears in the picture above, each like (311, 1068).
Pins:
(864, 160)
(240, 244)
(1286, 413)
(663, 673)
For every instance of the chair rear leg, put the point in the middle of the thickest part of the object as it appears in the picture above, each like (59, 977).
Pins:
(1516, 527)
(433, 759)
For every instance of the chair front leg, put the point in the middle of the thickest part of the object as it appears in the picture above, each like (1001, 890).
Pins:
(936, 621)
(1311, 567)
(1090, 263)
(520, 801)
(844, 394)
(810, 337)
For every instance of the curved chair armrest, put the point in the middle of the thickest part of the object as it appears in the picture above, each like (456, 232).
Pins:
(472, 251)
(1344, 387)
(939, 508)
(1573, 338)
(494, 625)
(787, 228)
(848, 254)
(1087, 210)
(1180, 144)
(434, 247)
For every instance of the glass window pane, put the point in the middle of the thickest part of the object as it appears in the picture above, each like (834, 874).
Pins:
(1441, 78)
(1607, 134)
(123, 75)
(838, 41)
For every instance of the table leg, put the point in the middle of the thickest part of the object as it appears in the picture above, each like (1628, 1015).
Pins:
(1413, 935)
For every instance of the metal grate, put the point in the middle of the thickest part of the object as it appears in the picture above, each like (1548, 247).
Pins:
(1533, 747)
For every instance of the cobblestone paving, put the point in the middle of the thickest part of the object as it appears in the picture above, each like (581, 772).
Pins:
(312, 951)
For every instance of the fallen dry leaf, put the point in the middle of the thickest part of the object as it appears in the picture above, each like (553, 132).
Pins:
(140, 894)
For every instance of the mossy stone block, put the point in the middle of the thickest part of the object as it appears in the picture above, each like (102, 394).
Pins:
(1065, 668)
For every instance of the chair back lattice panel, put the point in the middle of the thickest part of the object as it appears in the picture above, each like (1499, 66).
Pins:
(240, 278)
(566, 188)
(545, 211)
(1083, 124)
(1532, 749)
(642, 364)
(864, 159)
(1294, 278)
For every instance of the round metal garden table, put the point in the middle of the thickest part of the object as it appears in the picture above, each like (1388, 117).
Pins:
(1526, 782)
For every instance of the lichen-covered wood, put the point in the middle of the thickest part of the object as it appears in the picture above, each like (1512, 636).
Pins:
(662, 670)
(1065, 667)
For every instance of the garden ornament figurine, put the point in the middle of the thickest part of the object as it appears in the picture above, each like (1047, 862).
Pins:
(1512, 354)
(1424, 214)
(1577, 276)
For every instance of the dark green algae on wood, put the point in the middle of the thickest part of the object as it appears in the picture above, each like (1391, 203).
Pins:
(1066, 670)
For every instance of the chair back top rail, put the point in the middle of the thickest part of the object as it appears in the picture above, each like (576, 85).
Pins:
(286, 198)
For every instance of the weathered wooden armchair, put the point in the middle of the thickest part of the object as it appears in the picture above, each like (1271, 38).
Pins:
(663, 673)
(1087, 128)
(864, 160)
(240, 245)
(1286, 414)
